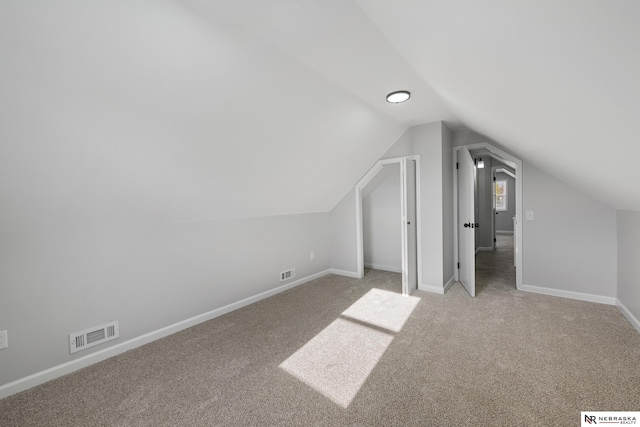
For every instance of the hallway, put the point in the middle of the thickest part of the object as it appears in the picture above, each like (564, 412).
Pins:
(495, 269)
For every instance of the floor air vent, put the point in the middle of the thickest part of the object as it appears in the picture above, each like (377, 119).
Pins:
(289, 274)
(94, 336)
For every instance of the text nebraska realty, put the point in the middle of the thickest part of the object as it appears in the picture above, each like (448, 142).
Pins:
(610, 420)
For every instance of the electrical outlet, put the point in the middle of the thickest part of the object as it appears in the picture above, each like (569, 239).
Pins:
(4, 340)
(312, 255)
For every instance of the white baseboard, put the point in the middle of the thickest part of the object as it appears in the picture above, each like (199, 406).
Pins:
(449, 284)
(383, 268)
(630, 317)
(41, 377)
(569, 294)
(504, 232)
(345, 273)
(437, 289)
(431, 288)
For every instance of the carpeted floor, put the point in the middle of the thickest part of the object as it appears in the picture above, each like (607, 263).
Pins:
(495, 269)
(341, 351)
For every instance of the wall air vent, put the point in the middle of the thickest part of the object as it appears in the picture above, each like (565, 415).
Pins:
(93, 336)
(289, 274)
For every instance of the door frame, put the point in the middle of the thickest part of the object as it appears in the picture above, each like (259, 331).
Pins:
(408, 231)
(359, 223)
(506, 158)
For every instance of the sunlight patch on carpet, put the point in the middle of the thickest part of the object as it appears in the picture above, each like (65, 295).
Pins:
(338, 360)
(385, 309)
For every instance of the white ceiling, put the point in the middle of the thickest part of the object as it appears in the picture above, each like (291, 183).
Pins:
(556, 82)
(144, 111)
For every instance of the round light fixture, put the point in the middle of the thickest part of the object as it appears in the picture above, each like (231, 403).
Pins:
(398, 96)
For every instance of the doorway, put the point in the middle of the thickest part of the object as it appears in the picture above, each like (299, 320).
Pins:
(495, 254)
(381, 208)
(475, 226)
(406, 220)
(503, 203)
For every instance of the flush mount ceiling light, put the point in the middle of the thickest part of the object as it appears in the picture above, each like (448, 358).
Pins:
(398, 96)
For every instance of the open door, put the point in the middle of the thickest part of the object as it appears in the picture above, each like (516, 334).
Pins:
(409, 230)
(466, 222)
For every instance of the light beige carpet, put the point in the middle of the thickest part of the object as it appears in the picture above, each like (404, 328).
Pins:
(505, 358)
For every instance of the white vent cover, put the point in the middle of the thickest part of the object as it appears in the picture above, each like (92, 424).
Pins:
(289, 274)
(94, 336)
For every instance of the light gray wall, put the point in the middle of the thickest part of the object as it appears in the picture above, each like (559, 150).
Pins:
(381, 213)
(628, 262)
(447, 204)
(504, 219)
(426, 140)
(343, 234)
(402, 147)
(145, 276)
(571, 243)
(343, 216)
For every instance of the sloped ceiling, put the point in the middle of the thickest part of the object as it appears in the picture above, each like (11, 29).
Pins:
(556, 82)
(165, 111)
(145, 111)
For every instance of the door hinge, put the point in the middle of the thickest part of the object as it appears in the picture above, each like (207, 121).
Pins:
(494, 240)
(457, 165)
(494, 178)
(458, 266)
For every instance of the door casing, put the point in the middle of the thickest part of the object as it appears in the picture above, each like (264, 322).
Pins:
(402, 219)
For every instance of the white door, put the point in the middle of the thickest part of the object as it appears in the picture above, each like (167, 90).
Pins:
(466, 222)
(409, 230)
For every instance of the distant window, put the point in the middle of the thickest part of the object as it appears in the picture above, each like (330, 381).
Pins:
(500, 195)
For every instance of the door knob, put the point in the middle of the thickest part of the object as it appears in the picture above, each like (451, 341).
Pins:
(470, 225)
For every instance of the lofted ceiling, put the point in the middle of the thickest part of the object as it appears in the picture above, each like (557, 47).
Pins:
(144, 111)
(555, 82)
